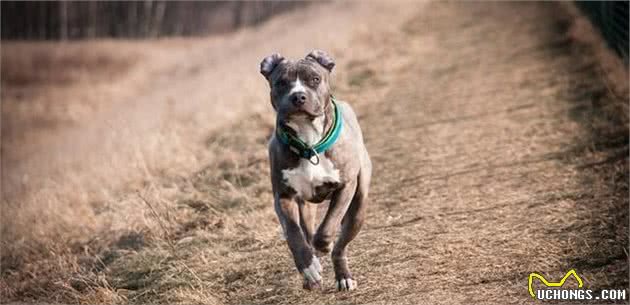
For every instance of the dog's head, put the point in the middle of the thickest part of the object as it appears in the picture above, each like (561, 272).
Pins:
(299, 87)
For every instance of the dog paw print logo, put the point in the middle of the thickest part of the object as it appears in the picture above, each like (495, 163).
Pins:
(544, 281)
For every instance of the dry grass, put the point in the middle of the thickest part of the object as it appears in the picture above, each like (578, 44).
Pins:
(69, 185)
(491, 161)
(37, 64)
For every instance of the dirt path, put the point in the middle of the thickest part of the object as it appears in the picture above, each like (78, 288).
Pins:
(496, 151)
(485, 163)
(490, 163)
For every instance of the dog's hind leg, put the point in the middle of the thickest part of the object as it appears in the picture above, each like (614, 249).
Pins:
(351, 225)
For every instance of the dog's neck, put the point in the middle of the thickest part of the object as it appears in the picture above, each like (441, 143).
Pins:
(311, 130)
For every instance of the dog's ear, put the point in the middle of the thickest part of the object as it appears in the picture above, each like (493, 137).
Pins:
(322, 58)
(269, 63)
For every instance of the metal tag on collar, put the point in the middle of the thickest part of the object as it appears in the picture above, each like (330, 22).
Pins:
(312, 154)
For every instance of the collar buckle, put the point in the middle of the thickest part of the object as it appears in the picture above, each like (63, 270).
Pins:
(313, 153)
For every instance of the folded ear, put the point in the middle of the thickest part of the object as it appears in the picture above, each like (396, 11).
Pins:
(322, 58)
(269, 63)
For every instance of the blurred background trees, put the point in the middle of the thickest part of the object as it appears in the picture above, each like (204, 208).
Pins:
(611, 18)
(62, 20)
(65, 20)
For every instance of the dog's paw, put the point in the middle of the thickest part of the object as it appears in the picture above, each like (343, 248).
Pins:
(346, 284)
(312, 275)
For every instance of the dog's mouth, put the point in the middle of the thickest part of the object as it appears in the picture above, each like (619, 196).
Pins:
(298, 117)
(301, 112)
(308, 113)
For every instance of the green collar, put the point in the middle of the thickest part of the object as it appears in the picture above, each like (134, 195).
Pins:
(308, 152)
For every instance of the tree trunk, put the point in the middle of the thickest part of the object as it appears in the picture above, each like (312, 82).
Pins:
(237, 14)
(93, 10)
(158, 17)
(63, 20)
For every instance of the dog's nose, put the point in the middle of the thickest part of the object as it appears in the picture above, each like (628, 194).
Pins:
(298, 99)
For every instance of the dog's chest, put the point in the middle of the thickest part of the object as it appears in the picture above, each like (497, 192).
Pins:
(312, 182)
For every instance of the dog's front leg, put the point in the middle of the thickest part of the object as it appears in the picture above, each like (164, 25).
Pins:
(307, 264)
(308, 214)
(339, 204)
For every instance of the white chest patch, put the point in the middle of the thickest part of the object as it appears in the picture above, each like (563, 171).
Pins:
(306, 177)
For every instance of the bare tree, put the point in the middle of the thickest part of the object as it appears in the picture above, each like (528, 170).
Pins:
(138, 19)
(93, 13)
(157, 19)
(63, 20)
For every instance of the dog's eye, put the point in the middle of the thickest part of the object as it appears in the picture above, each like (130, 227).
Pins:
(316, 80)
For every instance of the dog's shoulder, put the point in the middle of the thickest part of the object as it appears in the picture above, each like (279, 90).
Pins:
(351, 122)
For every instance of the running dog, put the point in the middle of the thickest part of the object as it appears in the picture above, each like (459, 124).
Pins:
(316, 153)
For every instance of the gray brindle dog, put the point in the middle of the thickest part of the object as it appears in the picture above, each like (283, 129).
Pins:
(316, 153)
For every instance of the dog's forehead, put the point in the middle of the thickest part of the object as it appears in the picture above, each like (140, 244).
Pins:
(291, 68)
(306, 65)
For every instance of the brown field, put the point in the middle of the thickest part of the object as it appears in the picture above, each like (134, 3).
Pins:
(136, 172)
